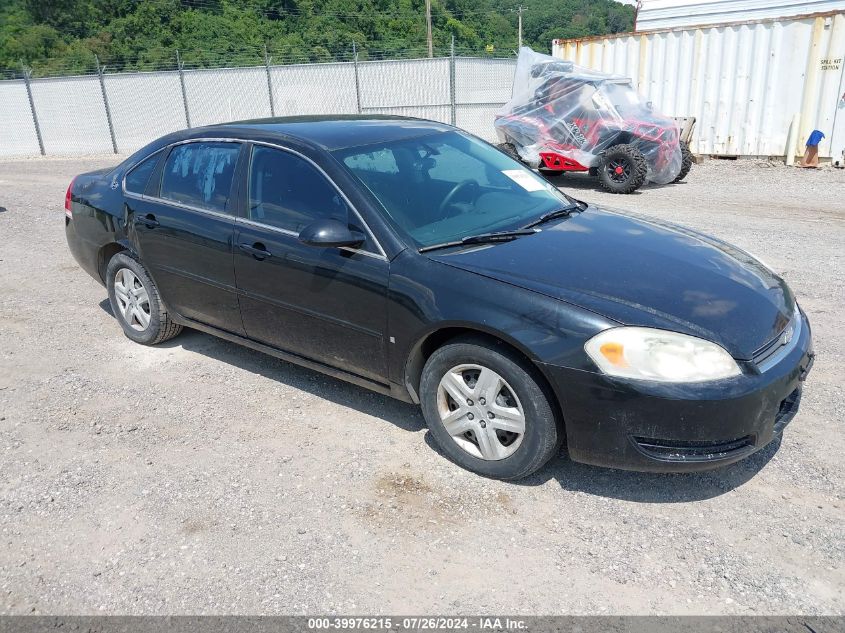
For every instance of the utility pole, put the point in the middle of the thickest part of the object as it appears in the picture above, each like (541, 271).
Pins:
(428, 27)
(519, 41)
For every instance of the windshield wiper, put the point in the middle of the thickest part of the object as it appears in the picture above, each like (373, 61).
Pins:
(563, 212)
(482, 238)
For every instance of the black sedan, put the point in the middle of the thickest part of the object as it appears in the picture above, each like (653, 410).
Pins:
(419, 261)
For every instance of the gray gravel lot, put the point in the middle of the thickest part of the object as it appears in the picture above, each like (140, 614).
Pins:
(201, 477)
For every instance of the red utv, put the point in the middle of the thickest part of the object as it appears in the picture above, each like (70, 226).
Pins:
(565, 118)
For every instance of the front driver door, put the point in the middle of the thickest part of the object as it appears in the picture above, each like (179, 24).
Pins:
(326, 304)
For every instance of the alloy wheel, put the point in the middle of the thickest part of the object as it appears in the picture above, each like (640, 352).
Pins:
(133, 300)
(481, 412)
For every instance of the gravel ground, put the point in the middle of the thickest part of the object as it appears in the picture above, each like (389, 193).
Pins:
(201, 477)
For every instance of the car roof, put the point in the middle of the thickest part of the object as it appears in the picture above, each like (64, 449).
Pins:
(333, 132)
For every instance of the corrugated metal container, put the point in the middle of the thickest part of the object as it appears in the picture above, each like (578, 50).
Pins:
(674, 14)
(744, 82)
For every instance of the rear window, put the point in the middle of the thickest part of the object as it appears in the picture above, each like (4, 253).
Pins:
(200, 174)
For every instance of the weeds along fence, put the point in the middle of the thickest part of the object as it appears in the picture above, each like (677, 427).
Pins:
(106, 112)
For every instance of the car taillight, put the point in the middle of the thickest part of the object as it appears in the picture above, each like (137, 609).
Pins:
(68, 211)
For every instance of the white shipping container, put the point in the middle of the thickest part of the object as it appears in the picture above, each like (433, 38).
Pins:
(744, 82)
(674, 14)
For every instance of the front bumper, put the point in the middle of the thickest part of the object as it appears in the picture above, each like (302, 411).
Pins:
(659, 427)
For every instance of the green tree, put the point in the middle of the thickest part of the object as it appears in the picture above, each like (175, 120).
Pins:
(62, 36)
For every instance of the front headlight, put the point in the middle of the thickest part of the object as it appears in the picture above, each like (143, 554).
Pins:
(648, 354)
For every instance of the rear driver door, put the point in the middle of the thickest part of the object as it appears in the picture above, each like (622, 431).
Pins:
(183, 230)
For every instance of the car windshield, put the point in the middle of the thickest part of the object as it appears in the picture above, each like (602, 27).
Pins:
(447, 186)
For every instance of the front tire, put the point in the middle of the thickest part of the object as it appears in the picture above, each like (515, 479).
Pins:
(136, 302)
(623, 169)
(487, 409)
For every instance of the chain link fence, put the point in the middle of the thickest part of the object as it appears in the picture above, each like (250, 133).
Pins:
(121, 112)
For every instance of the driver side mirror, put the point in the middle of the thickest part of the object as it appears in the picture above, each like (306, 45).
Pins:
(328, 232)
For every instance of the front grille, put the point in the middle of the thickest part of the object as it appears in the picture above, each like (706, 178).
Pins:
(693, 451)
(778, 347)
(769, 349)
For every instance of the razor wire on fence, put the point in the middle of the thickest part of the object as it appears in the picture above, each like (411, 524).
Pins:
(106, 111)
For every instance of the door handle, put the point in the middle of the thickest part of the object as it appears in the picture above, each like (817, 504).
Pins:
(148, 220)
(257, 250)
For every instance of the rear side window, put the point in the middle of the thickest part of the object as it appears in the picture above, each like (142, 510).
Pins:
(200, 174)
(139, 175)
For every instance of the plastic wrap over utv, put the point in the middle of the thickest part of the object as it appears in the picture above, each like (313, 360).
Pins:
(563, 117)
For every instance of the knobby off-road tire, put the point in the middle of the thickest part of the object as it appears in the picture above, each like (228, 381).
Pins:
(466, 381)
(686, 161)
(136, 303)
(623, 169)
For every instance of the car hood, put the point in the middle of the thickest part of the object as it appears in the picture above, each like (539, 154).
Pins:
(643, 272)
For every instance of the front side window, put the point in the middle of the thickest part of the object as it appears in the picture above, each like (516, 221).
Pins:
(287, 192)
(200, 174)
(446, 186)
(139, 175)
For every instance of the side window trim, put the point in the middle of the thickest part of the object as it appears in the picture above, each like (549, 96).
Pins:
(244, 218)
(153, 193)
(153, 190)
(239, 209)
(295, 235)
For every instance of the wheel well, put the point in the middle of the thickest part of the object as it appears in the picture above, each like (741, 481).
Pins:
(437, 339)
(106, 253)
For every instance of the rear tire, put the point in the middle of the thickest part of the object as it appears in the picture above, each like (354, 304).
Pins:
(498, 413)
(136, 303)
(686, 161)
(623, 169)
